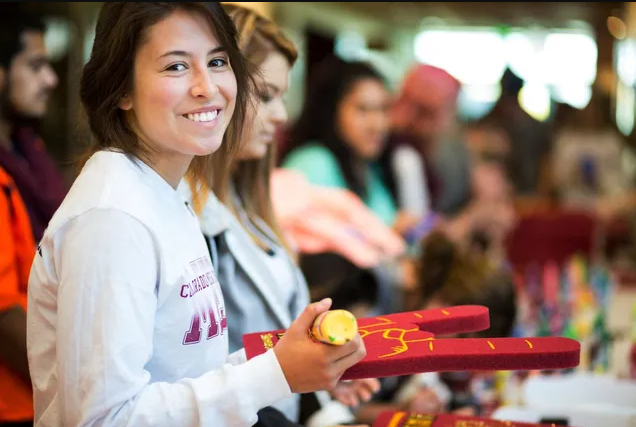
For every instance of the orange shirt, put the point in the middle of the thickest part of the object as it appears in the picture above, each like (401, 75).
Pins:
(17, 249)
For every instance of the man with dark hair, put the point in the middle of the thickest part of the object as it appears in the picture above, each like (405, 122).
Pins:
(26, 82)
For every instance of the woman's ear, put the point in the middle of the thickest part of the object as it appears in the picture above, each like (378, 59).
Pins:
(125, 103)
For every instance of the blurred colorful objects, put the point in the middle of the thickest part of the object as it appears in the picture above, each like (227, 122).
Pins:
(570, 300)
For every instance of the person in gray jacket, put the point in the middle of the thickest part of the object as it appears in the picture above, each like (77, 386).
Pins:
(262, 286)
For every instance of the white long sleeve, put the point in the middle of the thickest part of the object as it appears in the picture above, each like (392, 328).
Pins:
(411, 181)
(237, 358)
(118, 352)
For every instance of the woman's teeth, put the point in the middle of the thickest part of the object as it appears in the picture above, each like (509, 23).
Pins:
(202, 117)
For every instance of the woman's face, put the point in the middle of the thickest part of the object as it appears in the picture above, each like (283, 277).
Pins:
(268, 110)
(363, 117)
(184, 90)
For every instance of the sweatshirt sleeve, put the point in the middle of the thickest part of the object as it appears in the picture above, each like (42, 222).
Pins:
(106, 263)
(411, 181)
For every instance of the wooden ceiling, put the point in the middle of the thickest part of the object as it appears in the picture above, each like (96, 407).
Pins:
(552, 14)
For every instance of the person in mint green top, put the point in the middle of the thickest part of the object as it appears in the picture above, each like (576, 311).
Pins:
(341, 134)
(321, 167)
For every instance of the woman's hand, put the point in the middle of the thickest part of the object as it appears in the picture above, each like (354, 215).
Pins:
(404, 222)
(352, 393)
(309, 365)
(425, 401)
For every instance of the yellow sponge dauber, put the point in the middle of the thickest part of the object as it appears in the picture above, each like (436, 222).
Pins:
(335, 327)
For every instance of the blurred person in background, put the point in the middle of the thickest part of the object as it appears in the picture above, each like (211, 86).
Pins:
(436, 172)
(337, 142)
(487, 142)
(429, 160)
(341, 133)
(32, 189)
(26, 83)
(16, 255)
(528, 164)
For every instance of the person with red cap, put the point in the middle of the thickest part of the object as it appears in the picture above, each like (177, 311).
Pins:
(422, 116)
(432, 165)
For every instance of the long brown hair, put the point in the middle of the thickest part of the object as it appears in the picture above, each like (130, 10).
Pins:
(258, 37)
(108, 77)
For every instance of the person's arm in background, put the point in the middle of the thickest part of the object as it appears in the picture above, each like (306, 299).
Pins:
(412, 189)
(410, 182)
(347, 208)
(17, 249)
(319, 219)
(13, 351)
(459, 227)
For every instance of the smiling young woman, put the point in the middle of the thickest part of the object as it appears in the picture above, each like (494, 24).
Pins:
(116, 334)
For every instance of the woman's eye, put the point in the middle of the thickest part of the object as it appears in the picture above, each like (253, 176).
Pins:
(176, 67)
(218, 62)
(265, 97)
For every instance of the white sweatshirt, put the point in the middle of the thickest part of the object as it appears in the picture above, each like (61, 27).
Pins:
(126, 323)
